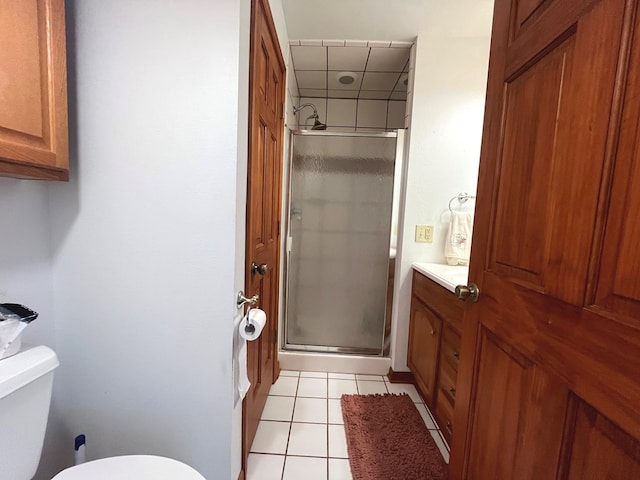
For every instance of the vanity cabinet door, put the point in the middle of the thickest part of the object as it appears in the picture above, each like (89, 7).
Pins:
(33, 90)
(424, 347)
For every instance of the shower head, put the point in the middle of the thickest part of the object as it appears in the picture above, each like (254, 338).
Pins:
(317, 124)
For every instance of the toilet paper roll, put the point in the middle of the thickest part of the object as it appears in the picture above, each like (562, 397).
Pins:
(252, 324)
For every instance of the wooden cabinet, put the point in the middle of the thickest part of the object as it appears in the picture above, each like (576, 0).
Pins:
(33, 90)
(434, 347)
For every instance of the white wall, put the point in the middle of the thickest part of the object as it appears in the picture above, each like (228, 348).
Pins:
(26, 274)
(25, 257)
(446, 118)
(144, 234)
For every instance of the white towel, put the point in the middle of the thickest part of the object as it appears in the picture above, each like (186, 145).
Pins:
(458, 243)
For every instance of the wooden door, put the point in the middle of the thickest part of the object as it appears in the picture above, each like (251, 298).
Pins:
(264, 192)
(33, 90)
(549, 380)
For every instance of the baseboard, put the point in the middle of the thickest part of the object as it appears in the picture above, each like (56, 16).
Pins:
(400, 377)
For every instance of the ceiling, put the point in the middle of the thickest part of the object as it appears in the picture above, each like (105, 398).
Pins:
(386, 19)
(373, 41)
(351, 69)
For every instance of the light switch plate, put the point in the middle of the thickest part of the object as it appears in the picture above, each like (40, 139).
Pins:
(424, 233)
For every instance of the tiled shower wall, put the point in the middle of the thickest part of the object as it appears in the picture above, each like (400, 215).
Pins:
(346, 115)
(350, 115)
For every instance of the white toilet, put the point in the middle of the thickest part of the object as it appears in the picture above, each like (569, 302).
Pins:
(26, 381)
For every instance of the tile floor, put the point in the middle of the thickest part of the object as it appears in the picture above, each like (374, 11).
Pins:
(301, 433)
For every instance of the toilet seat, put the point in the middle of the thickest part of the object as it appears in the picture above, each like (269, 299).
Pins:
(139, 467)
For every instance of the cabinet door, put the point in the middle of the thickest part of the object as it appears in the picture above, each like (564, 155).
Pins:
(424, 345)
(33, 90)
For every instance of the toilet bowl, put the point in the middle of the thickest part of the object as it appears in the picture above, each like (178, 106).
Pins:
(26, 381)
(138, 467)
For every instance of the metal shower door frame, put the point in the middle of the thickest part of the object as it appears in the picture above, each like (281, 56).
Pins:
(284, 345)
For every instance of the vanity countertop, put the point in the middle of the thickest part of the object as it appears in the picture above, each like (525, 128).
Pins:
(447, 276)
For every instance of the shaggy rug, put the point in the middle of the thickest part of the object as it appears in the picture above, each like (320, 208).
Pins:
(388, 440)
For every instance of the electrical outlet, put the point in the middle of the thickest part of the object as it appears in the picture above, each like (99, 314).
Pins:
(424, 233)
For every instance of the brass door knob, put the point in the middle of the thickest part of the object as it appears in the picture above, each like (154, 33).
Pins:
(471, 291)
(259, 269)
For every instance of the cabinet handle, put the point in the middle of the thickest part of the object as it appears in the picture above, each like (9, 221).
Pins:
(449, 427)
(433, 332)
(456, 354)
(452, 391)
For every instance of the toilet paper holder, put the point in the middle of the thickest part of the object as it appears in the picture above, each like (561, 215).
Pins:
(241, 300)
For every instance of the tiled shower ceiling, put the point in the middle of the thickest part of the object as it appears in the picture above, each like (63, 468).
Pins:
(380, 68)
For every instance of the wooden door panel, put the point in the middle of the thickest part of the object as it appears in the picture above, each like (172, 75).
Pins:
(524, 206)
(519, 415)
(547, 200)
(599, 449)
(264, 191)
(619, 284)
(555, 337)
(525, 9)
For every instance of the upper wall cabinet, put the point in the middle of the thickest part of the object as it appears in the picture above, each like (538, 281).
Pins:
(33, 90)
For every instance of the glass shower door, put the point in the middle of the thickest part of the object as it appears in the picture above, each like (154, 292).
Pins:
(340, 227)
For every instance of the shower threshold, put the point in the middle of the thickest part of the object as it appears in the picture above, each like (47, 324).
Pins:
(371, 352)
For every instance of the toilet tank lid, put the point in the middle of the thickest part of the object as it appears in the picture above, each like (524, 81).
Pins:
(29, 364)
(140, 467)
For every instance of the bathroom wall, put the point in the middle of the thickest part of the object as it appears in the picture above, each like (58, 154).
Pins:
(26, 274)
(25, 256)
(346, 115)
(446, 116)
(144, 235)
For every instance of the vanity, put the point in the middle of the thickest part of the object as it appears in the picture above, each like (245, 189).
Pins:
(435, 330)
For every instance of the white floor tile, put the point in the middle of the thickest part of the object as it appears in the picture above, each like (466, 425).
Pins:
(371, 378)
(339, 469)
(312, 387)
(428, 421)
(284, 386)
(312, 410)
(289, 373)
(278, 408)
(337, 388)
(342, 376)
(313, 374)
(335, 411)
(337, 442)
(441, 445)
(308, 439)
(271, 437)
(261, 466)
(405, 388)
(367, 388)
(307, 468)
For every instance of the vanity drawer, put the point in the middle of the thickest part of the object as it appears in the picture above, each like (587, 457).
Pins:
(444, 415)
(451, 348)
(439, 299)
(447, 384)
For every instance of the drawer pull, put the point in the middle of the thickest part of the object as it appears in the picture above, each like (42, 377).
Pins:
(456, 354)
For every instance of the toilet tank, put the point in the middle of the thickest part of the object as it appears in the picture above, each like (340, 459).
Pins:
(26, 381)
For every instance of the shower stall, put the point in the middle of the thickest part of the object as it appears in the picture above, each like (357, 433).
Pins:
(341, 242)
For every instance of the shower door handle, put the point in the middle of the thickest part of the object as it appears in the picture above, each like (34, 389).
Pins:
(259, 269)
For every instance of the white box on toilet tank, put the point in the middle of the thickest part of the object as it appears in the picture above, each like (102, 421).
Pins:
(26, 381)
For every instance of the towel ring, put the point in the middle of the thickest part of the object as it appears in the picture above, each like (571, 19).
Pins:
(461, 197)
